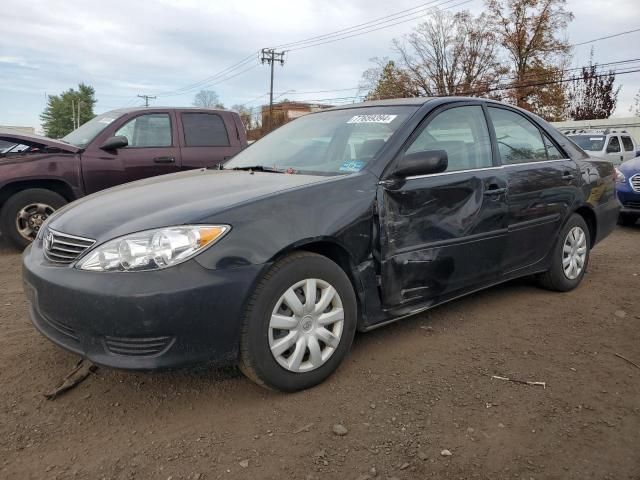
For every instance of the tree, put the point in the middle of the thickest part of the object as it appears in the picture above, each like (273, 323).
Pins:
(635, 108)
(207, 99)
(451, 54)
(386, 80)
(593, 95)
(246, 116)
(61, 111)
(529, 31)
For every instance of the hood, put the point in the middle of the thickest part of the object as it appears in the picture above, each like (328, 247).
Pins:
(630, 167)
(38, 141)
(175, 199)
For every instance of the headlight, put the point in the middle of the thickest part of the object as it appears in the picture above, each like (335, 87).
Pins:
(620, 178)
(152, 249)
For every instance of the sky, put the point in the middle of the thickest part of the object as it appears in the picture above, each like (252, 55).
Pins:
(129, 48)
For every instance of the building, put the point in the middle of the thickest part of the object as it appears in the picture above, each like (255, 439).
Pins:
(286, 111)
(629, 124)
(27, 130)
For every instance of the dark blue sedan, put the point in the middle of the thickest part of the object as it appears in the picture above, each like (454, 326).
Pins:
(628, 190)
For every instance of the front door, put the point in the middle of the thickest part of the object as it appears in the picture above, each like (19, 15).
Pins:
(444, 233)
(541, 187)
(152, 150)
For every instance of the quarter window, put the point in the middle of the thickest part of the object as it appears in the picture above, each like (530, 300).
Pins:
(614, 145)
(204, 130)
(519, 140)
(628, 144)
(150, 130)
(461, 132)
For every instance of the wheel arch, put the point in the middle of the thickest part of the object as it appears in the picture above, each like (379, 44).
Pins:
(58, 186)
(589, 216)
(334, 251)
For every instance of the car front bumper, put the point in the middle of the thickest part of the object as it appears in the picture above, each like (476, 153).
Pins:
(629, 199)
(168, 318)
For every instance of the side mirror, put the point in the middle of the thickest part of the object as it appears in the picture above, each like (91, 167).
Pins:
(422, 163)
(114, 143)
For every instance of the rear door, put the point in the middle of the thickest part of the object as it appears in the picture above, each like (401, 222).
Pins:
(542, 184)
(207, 139)
(152, 150)
(444, 233)
(628, 147)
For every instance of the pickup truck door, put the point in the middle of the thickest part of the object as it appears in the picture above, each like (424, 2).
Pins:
(207, 138)
(444, 233)
(153, 150)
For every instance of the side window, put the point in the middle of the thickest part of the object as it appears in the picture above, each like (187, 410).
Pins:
(628, 144)
(204, 130)
(552, 152)
(614, 145)
(150, 130)
(462, 132)
(519, 140)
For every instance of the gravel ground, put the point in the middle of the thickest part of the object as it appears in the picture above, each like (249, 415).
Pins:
(405, 394)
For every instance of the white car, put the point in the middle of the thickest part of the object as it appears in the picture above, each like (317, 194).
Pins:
(612, 145)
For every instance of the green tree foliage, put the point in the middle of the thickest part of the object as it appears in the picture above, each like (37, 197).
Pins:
(207, 99)
(62, 110)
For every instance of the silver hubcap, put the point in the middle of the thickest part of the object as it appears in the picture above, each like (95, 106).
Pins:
(574, 253)
(31, 217)
(306, 325)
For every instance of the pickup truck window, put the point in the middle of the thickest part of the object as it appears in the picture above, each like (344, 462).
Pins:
(628, 144)
(614, 145)
(150, 130)
(204, 130)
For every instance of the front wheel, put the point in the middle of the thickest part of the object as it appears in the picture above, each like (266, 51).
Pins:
(24, 213)
(299, 323)
(570, 256)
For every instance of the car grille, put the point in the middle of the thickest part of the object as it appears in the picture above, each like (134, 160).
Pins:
(64, 248)
(138, 346)
(635, 182)
(632, 204)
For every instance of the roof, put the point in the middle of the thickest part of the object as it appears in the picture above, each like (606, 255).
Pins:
(123, 111)
(415, 101)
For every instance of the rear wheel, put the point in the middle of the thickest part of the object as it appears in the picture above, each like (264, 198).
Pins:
(570, 256)
(627, 219)
(24, 213)
(299, 324)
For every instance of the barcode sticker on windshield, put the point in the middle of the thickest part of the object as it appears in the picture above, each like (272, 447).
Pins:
(372, 119)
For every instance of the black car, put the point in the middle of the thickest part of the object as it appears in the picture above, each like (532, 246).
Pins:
(342, 220)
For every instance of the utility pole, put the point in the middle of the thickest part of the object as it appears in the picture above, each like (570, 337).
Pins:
(270, 56)
(146, 99)
(73, 113)
(78, 117)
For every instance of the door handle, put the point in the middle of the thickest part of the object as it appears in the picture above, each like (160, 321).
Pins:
(164, 160)
(495, 190)
(567, 176)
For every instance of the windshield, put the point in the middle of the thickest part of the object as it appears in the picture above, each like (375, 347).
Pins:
(334, 142)
(81, 137)
(594, 143)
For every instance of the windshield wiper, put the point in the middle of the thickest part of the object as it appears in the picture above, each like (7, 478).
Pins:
(260, 168)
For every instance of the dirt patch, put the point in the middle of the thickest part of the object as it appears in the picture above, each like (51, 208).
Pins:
(405, 393)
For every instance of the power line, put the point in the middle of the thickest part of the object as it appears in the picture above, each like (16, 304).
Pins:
(607, 37)
(217, 82)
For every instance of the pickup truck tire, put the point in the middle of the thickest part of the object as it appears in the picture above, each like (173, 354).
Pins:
(24, 213)
(299, 323)
(569, 257)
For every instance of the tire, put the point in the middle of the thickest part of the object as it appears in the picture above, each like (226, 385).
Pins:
(557, 278)
(291, 370)
(38, 203)
(627, 219)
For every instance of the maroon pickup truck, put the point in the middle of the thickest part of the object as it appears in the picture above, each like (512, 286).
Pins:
(39, 175)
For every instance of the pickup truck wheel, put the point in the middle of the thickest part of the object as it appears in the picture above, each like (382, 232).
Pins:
(299, 323)
(627, 219)
(570, 257)
(24, 213)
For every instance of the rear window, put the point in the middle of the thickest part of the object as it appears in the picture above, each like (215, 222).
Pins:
(204, 130)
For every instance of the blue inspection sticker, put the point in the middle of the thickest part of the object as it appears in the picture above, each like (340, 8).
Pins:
(353, 166)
